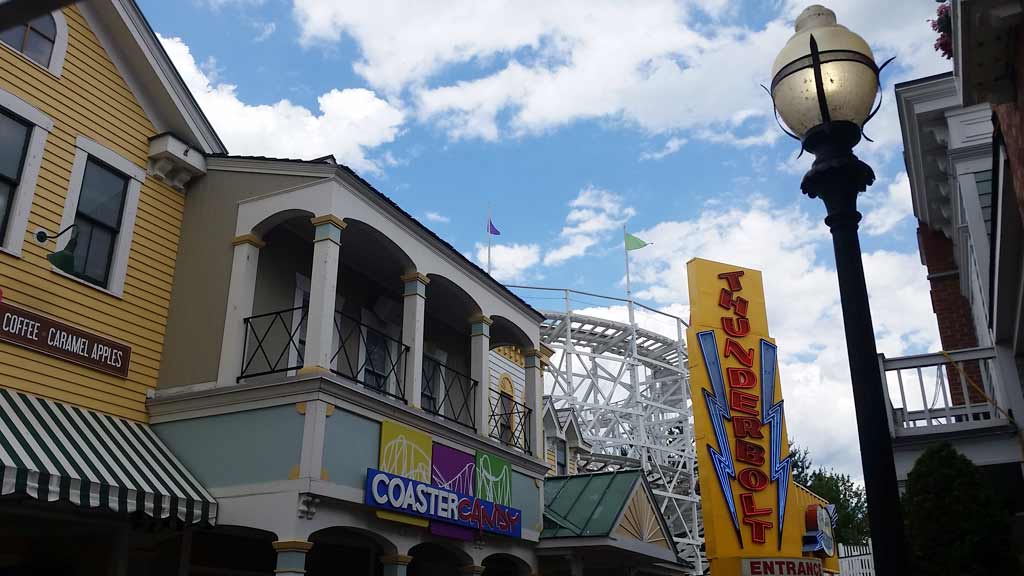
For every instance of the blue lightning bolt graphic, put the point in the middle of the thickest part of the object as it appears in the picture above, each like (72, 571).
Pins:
(718, 411)
(773, 414)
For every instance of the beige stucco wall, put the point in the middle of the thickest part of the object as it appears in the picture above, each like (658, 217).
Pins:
(199, 295)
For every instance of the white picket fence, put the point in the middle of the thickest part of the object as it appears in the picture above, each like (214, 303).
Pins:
(856, 560)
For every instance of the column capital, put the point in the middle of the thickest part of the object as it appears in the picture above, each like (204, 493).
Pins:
(292, 546)
(329, 219)
(471, 569)
(251, 239)
(481, 319)
(415, 284)
(415, 276)
(395, 559)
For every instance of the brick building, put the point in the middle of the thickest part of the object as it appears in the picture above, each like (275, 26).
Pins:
(964, 151)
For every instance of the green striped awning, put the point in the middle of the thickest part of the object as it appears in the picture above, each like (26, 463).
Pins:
(52, 451)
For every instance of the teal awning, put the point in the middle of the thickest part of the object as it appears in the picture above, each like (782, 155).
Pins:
(52, 451)
(586, 504)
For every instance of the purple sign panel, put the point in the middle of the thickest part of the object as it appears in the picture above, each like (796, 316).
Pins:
(455, 471)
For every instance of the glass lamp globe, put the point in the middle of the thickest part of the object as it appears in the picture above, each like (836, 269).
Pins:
(848, 72)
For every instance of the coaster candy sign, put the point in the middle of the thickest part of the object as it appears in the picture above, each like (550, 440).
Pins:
(391, 492)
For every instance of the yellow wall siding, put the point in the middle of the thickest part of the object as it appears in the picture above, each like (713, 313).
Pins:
(90, 99)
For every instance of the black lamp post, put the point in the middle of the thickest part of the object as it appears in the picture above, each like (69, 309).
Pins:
(824, 85)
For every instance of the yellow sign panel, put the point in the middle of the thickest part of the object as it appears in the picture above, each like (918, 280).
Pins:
(749, 504)
(404, 452)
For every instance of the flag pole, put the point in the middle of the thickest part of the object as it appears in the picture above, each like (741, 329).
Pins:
(625, 249)
(488, 238)
(633, 375)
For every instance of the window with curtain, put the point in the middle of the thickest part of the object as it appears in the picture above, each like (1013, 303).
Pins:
(14, 136)
(98, 221)
(35, 39)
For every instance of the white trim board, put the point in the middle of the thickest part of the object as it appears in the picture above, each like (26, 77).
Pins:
(24, 195)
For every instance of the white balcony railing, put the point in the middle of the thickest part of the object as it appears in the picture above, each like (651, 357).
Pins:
(943, 392)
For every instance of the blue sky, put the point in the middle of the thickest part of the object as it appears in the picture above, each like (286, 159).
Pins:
(571, 119)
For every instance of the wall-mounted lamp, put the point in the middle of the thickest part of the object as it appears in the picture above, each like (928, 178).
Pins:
(64, 259)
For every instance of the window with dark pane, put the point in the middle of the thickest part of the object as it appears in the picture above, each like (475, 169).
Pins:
(14, 134)
(98, 220)
(561, 462)
(376, 360)
(35, 39)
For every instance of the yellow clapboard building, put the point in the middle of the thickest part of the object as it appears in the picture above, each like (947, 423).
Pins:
(99, 138)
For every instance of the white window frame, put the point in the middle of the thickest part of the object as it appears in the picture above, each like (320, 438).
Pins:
(60, 46)
(84, 149)
(21, 207)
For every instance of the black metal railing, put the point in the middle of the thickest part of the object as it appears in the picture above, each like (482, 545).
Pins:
(369, 356)
(448, 393)
(510, 422)
(274, 342)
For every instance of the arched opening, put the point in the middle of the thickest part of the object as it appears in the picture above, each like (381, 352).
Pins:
(235, 549)
(510, 407)
(366, 345)
(435, 559)
(447, 388)
(505, 565)
(346, 550)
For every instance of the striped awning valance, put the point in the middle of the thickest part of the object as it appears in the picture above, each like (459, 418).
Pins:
(53, 451)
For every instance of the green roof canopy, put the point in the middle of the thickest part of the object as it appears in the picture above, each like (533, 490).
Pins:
(586, 504)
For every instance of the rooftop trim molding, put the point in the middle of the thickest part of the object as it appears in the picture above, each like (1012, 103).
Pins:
(149, 72)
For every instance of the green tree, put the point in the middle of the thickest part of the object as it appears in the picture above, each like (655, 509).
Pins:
(839, 489)
(800, 459)
(851, 504)
(955, 523)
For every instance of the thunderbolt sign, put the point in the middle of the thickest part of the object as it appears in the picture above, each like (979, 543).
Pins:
(734, 399)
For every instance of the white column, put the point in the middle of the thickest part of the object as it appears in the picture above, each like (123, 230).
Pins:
(291, 557)
(323, 286)
(413, 312)
(241, 291)
(479, 370)
(535, 399)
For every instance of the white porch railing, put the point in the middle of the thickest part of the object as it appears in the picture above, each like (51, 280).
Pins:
(856, 560)
(942, 392)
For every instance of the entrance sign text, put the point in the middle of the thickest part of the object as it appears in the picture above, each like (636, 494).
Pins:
(782, 567)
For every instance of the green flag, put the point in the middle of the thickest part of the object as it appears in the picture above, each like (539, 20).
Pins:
(634, 243)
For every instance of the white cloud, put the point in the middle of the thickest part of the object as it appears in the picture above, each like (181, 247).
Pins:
(803, 307)
(264, 30)
(348, 124)
(509, 262)
(438, 217)
(532, 66)
(673, 145)
(885, 208)
(592, 215)
(543, 65)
